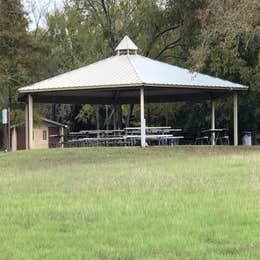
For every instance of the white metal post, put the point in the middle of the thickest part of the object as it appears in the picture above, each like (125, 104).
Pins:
(29, 122)
(143, 141)
(26, 126)
(235, 112)
(14, 140)
(62, 137)
(213, 122)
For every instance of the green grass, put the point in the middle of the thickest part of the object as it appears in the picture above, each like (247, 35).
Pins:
(131, 203)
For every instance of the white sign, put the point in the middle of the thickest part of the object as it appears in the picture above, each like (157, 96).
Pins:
(4, 116)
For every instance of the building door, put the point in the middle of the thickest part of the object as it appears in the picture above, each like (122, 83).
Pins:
(54, 137)
(21, 138)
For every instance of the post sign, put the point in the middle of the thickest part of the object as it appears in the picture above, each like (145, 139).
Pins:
(4, 116)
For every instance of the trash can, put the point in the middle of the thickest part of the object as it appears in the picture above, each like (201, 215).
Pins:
(247, 138)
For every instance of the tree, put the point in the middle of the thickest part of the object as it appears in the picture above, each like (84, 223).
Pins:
(216, 37)
(12, 33)
(20, 60)
(230, 48)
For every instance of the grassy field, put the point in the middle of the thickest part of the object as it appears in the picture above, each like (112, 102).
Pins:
(131, 203)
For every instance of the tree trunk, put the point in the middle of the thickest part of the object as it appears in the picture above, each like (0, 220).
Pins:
(119, 117)
(54, 112)
(107, 118)
(97, 117)
(115, 117)
(130, 111)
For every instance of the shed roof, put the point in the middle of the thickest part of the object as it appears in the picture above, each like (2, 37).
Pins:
(46, 120)
(52, 122)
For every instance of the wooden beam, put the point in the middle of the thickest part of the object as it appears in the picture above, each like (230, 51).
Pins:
(235, 113)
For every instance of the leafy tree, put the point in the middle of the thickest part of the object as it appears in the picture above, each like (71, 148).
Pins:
(13, 35)
(229, 48)
(20, 61)
(217, 37)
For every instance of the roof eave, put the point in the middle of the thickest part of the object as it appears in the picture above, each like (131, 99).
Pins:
(205, 87)
(22, 93)
(46, 120)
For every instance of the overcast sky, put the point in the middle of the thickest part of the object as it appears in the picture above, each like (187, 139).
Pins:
(37, 7)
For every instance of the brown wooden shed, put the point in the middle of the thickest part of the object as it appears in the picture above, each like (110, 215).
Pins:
(46, 134)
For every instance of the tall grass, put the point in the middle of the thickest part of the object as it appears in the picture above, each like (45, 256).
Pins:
(131, 203)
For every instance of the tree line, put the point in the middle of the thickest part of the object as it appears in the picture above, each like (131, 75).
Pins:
(217, 37)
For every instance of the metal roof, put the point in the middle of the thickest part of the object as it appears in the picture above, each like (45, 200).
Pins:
(159, 73)
(129, 71)
(113, 71)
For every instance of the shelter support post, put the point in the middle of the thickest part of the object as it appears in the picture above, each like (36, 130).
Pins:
(143, 141)
(14, 140)
(213, 121)
(62, 137)
(235, 112)
(29, 122)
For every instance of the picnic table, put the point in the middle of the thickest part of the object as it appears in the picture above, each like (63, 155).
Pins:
(152, 129)
(161, 139)
(217, 135)
(102, 132)
(107, 141)
(128, 136)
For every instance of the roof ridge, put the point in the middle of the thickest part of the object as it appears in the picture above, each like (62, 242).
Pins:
(135, 69)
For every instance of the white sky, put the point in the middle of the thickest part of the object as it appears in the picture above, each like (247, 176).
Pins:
(37, 8)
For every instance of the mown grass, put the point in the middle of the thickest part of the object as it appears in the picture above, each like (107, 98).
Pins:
(131, 203)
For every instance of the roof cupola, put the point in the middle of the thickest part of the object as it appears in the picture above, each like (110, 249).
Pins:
(126, 46)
